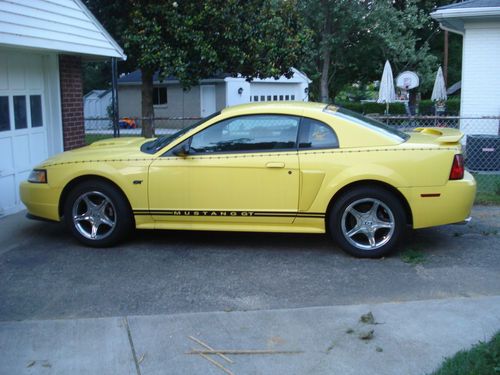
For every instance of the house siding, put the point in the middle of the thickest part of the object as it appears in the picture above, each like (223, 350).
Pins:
(180, 103)
(129, 101)
(481, 70)
(220, 96)
(65, 25)
(70, 71)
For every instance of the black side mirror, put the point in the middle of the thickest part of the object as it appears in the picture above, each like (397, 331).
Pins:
(181, 150)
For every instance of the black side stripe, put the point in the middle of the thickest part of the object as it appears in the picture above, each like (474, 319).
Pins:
(214, 213)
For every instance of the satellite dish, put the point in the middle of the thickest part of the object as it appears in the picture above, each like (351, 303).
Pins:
(407, 80)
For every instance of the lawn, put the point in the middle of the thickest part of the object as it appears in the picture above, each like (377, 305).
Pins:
(488, 188)
(481, 359)
(91, 138)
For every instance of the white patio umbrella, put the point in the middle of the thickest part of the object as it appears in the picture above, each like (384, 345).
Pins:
(386, 93)
(439, 90)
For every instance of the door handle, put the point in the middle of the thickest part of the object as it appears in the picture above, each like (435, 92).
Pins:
(275, 165)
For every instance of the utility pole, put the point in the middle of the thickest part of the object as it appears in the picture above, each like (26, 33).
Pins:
(445, 58)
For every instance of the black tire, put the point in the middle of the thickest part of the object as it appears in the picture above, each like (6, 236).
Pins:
(355, 218)
(97, 204)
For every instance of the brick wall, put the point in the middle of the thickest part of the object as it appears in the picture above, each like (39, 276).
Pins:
(70, 71)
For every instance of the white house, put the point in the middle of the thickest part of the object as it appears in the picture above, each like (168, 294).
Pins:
(42, 45)
(478, 21)
(211, 95)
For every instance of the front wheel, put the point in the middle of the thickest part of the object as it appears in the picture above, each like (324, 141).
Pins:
(367, 222)
(97, 214)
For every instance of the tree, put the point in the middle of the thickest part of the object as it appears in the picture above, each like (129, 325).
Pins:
(192, 40)
(352, 40)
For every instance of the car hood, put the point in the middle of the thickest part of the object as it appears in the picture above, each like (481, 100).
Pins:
(104, 150)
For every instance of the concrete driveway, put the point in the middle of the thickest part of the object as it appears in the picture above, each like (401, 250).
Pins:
(45, 274)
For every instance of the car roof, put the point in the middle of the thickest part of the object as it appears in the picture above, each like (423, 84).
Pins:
(279, 106)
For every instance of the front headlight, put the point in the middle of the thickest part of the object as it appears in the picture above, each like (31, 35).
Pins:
(38, 176)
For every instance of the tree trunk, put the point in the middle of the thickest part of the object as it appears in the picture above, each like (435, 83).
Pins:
(326, 54)
(147, 103)
(324, 77)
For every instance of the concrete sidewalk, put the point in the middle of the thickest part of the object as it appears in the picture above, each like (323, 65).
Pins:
(411, 338)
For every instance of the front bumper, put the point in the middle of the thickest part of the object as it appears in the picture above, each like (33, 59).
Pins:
(41, 200)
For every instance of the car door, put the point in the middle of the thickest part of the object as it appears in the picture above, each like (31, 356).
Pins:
(240, 170)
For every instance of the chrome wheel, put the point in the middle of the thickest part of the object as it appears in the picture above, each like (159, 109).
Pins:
(94, 215)
(368, 224)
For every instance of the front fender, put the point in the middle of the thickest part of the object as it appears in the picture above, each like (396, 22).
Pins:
(131, 177)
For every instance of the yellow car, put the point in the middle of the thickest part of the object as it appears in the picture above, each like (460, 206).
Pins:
(266, 167)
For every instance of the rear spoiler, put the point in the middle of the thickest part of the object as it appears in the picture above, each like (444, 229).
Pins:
(444, 135)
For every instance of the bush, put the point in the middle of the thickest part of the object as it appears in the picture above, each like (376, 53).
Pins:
(372, 107)
(353, 106)
(379, 108)
(453, 106)
(426, 107)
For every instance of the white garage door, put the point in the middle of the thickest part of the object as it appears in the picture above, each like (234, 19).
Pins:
(23, 134)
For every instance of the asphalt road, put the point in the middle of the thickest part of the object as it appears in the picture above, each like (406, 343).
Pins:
(45, 274)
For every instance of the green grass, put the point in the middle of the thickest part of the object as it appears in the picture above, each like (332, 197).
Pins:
(487, 198)
(481, 359)
(91, 138)
(488, 188)
(412, 256)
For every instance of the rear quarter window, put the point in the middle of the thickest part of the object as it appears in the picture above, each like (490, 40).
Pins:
(316, 135)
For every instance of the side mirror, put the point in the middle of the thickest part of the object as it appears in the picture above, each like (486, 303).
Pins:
(181, 150)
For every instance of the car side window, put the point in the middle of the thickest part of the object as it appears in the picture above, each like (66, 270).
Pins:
(248, 134)
(315, 134)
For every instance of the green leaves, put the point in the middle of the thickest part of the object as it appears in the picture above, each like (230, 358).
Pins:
(365, 33)
(193, 40)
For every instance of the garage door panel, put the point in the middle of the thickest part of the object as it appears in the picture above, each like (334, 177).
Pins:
(6, 160)
(23, 135)
(38, 148)
(21, 146)
(8, 197)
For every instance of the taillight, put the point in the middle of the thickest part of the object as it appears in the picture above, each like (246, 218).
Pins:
(457, 169)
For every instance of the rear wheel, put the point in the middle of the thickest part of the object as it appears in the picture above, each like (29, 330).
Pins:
(367, 222)
(97, 214)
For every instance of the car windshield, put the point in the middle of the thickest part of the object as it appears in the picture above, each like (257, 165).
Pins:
(160, 142)
(371, 123)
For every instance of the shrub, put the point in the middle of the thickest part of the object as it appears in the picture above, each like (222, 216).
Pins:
(426, 107)
(379, 108)
(453, 106)
(353, 106)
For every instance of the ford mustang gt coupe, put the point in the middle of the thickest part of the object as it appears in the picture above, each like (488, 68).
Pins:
(265, 167)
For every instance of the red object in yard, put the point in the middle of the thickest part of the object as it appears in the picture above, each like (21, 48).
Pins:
(127, 123)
